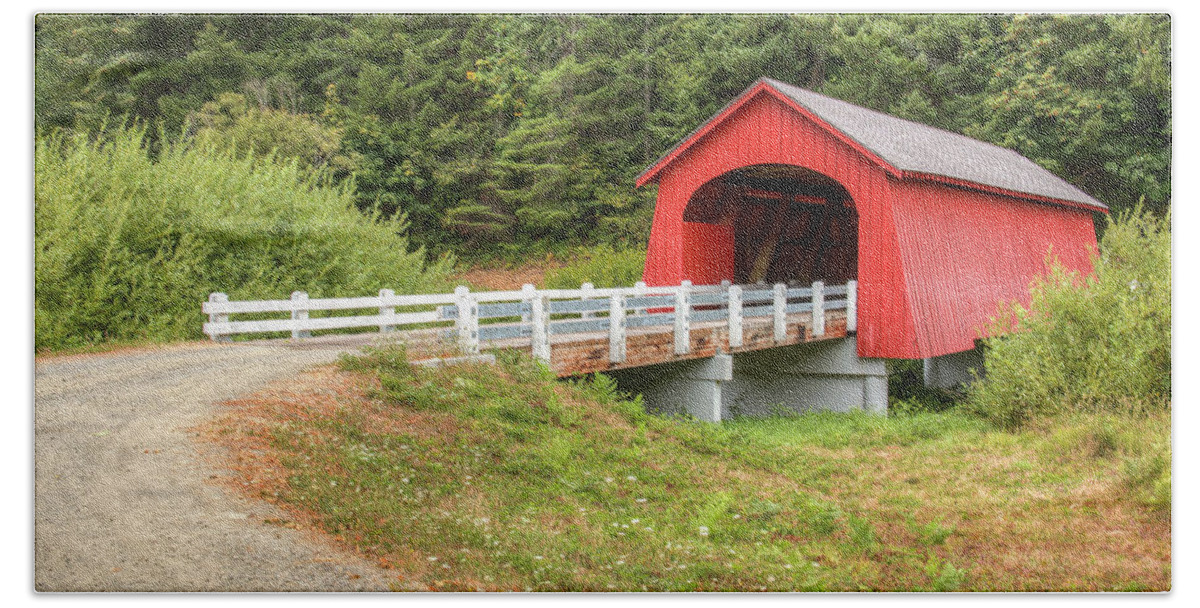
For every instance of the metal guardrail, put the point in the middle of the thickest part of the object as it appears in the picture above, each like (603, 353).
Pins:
(474, 318)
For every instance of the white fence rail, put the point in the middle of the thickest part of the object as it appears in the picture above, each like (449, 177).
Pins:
(472, 319)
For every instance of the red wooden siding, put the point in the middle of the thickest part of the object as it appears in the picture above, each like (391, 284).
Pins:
(965, 251)
(709, 258)
(766, 130)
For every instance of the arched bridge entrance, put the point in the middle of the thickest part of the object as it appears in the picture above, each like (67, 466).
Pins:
(787, 224)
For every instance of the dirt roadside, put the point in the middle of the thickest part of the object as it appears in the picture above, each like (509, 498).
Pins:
(123, 500)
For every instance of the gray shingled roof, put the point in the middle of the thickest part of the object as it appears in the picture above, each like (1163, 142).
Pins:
(911, 146)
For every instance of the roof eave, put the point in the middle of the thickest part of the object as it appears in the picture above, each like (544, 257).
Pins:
(1096, 206)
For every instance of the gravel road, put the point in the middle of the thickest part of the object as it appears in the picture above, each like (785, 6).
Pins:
(123, 500)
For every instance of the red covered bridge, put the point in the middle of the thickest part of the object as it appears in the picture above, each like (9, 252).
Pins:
(786, 185)
(790, 197)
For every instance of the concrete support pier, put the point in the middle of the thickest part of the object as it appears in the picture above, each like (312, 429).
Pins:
(953, 370)
(816, 376)
(693, 387)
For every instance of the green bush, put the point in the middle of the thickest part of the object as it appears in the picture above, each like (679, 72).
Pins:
(1095, 343)
(127, 247)
(602, 266)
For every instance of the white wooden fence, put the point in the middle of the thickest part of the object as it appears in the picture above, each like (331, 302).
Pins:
(537, 314)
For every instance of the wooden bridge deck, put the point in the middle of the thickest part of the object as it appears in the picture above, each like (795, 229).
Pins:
(586, 353)
(573, 331)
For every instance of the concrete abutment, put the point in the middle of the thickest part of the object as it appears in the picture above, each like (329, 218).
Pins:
(817, 376)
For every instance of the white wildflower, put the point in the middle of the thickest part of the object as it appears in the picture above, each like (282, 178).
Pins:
(703, 530)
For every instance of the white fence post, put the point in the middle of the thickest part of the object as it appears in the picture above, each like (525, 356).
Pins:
(616, 328)
(300, 313)
(851, 306)
(540, 318)
(639, 290)
(467, 323)
(387, 312)
(683, 314)
(735, 316)
(587, 289)
(780, 312)
(818, 309)
(217, 296)
(528, 293)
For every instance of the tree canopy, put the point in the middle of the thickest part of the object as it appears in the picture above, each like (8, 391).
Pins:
(494, 132)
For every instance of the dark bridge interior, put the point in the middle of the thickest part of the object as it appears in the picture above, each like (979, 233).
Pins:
(791, 224)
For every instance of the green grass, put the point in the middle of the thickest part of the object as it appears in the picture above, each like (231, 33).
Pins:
(502, 478)
(857, 429)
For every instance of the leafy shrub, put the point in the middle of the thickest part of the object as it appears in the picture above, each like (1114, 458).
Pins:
(231, 121)
(602, 266)
(127, 247)
(1095, 343)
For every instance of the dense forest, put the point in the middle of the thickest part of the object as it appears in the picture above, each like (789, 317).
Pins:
(501, 134)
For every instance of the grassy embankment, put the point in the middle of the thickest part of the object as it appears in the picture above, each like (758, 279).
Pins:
(503, 479)
(1054, 473)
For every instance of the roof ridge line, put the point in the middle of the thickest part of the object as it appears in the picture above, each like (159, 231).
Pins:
(774, 81)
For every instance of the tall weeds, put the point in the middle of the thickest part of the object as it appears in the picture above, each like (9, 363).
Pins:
(602, 266)
(127, 247)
